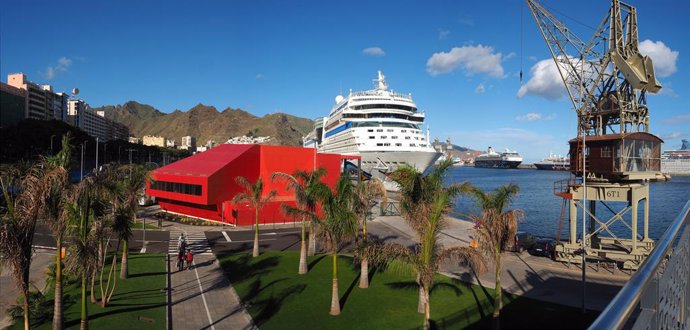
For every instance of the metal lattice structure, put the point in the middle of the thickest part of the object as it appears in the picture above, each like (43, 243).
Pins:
(606, 78)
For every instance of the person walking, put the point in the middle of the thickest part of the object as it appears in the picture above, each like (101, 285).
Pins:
(190, 259)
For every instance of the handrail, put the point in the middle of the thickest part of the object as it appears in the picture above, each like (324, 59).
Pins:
(619, 309)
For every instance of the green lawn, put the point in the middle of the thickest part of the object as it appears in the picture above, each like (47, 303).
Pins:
(278, 298)
(137, 303)
(150, 224)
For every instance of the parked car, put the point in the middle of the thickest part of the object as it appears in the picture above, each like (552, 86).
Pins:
(542, 247)
(523, 241)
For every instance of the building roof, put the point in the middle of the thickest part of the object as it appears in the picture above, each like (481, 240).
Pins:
(206, 163)
(611, 137)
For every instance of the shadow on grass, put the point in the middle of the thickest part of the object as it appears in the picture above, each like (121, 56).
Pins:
(140, 307)
(245, 267)
(343, 299)
(316, 261)
(268, 307)
(146, 274)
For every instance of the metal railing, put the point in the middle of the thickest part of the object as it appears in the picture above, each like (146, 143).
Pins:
(657, 296)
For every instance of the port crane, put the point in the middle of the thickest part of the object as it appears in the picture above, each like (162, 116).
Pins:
(613, 156)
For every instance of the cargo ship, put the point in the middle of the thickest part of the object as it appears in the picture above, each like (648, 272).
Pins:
(493, 159)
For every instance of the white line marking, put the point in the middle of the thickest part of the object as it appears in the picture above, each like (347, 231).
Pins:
(251, 240)
(227, 238)
(268, 234)
(203, 297)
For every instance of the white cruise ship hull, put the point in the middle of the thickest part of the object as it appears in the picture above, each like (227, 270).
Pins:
(385, 162)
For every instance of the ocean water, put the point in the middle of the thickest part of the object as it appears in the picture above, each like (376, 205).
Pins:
(542, 208)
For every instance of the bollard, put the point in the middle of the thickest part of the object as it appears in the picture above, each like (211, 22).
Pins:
(597, 266)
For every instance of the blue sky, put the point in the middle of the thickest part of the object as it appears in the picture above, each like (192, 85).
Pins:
(460, 60)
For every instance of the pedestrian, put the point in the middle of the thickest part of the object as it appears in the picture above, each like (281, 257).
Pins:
(181, 240)
(180, 260)
(190, 259)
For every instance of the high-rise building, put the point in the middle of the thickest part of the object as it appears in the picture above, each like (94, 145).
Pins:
(94, 123)
(42, 103)
(188, 143)
(13, 103)
(158, 141)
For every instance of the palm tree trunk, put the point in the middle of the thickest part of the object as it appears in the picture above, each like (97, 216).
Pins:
(303, 252)
(312, 241)
(497, 291)
(427, 309)
(420, 300)
(93, 282)
(57, 306)
(125, 254)
(26, 309)
(84, 312)
(335, 301)
(255, 252)
(364, 274)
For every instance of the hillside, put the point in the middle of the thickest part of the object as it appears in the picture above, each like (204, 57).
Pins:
(206, 123)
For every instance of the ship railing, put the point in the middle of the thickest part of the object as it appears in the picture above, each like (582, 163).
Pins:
(562, 187)
(377, 93)
(657, 296)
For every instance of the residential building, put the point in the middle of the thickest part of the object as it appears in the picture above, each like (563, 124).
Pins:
(188, 143)
(150, 140)
(94, 123)
(42, 102)
(13, 104)
(134, 140)
(170, 143)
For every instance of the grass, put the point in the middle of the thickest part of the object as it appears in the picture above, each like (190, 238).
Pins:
(149, 225)
(137, 303)
(278, 298)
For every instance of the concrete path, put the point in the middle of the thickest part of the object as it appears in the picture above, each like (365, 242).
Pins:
(523, 274)
(202, 297)
(8, 287)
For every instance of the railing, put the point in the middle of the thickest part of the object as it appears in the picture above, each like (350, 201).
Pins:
(657, 296)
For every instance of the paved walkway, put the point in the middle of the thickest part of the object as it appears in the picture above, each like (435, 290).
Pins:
(202, 297)
(523, 274)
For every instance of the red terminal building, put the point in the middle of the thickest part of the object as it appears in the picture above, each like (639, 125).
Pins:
(203, 185)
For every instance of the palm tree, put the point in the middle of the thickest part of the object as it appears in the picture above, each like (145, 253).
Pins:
(423, 202)
(307, 186)
(338, 224)
(253, 194)
(496, 228)
(81, 210)
(25, 196)
(132, 185)
(56, 219)
(364, 199)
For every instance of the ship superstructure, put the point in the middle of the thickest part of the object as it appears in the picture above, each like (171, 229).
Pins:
(382, 126)
(553, 163)
(676, 161)
(493, 159)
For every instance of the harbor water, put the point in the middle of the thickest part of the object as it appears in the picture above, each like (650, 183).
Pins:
(542, 208)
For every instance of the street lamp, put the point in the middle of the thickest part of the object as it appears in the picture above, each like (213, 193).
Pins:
(96, 155)
(51, 143)
(81, 168)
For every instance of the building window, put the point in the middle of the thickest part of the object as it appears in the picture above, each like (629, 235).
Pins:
(176, 187)
(606, 152)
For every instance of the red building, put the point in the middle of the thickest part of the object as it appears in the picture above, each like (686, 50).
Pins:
(203, 185)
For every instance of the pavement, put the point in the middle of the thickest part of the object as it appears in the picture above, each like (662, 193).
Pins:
(522, 274)
(8, 287)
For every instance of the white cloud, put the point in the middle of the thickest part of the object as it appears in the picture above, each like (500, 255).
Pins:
(509, 56)
(467, 20)
(545, 81)
(259, 76)
(472, 59)
(673, 135)
(532, 58)
(534, 116)
(374, 51)
(680, 119)
(63, 64)
(663, 58)
(480, 89)
(443, 33)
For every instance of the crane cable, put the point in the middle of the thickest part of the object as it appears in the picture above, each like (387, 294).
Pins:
(521, 41)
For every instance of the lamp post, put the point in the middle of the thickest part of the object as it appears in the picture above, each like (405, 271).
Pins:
(96, 155)
(51, 144)
(81, 168)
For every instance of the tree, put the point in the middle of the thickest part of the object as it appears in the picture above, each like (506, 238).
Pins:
(307, 187)
(56, 218)
(132, 184)
(25, 196)
(423, 201)
(364, 199)
(81, 211)
(338, 224)
(496, 228)
(253, 194)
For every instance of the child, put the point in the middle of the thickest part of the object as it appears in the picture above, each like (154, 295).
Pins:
(190, 259)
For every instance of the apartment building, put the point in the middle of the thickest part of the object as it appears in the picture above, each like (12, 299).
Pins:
(42, 103)
(13, 103)
(150, 140)
(188, 143)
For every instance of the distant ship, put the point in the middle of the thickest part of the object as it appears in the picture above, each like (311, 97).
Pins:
(554, 163)
(492, 159)
(382, 126)
(676, 161)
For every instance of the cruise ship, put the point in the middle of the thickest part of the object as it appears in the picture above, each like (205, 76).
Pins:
(553, 163)
(493, 159)
(382, 126)
(676, 161)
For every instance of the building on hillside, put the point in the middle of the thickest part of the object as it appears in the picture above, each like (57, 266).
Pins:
(201, 149)
(150, 140)
(134, 140)
(13, 104)
(42, 103)
(94, 123)
(204, 185)
(248, 139)
(188, 143)
(170, 143)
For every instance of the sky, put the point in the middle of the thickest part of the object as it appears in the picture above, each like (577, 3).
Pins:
(460, 60)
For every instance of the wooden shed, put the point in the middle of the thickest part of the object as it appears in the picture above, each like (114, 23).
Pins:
(618, 157)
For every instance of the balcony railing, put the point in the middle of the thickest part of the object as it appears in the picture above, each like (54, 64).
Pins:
(657, 296)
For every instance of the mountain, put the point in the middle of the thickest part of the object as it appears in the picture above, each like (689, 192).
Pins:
(206, 123)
